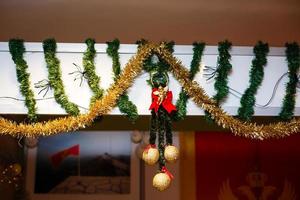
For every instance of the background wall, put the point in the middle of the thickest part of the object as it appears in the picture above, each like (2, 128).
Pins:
(241, 21)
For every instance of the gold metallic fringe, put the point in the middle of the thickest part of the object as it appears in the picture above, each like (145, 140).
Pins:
(131, 71)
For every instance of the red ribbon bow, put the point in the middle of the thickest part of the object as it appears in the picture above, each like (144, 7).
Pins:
(166, 103)
(149, 146)
(165, 170)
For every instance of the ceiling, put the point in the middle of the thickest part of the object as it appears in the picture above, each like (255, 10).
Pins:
(242, 22)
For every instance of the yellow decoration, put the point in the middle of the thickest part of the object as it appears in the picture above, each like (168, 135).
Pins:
(161, 93)
(161, 181)
(151, 155)
(131, 71)
(17, 169)
(171, 153)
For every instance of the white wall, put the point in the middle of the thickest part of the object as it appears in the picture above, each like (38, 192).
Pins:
(139, 93)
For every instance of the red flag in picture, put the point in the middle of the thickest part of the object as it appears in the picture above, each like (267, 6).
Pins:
(58, 157)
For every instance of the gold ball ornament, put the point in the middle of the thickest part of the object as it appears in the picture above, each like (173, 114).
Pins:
(171, 153)
(150, 155)
(17, 168)
(161, 181)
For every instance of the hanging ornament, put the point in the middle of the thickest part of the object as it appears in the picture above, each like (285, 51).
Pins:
(161, 111)
(150, 154)
(171, 153)
(162, 180)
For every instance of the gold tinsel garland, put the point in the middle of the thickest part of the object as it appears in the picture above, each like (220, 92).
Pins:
(133, 68)
(100, 107)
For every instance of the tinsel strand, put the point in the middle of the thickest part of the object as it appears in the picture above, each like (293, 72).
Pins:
(194, 69)
(161, 137)
(223, 69)
(153, 129)
(132, 70)
(160, 65)
(244, 129)
(17, 49)
(246, 110)
(125, 105)
(289, 101)
(89, 69)
(168, 125)
(54, 76)
(221, 74)
(99, 108)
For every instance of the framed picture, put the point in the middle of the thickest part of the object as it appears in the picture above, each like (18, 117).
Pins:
(86, 165)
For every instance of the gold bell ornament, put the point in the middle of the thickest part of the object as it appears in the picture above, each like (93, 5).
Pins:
(150, 154)
(171, 153)
(162, 180)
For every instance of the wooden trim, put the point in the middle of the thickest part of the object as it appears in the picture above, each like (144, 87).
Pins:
(187, 166)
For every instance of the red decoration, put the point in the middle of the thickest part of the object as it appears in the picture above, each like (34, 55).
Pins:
(149, 146)
(166, 102)
(166, 171)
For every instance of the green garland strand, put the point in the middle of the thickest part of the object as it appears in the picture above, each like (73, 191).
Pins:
(17, 49)
(153, 129)
(112, 51)
(161, 65)
(89, 70)
(246, 110)
(194, 69)
(168, 126)
(125, 105)
(221, 75)
(293, 59)
(222, 71)
(54, 76)
(161, 137)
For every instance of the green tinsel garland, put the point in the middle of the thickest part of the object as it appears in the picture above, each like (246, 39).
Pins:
(194, 69)
(161, 65)
(125, 105)
(246, 110)
(222, 71)
(17, 49)
(89, 70)
(162, 115)
(221, 78)
(293, 59)
(54, 76)
(153, 125)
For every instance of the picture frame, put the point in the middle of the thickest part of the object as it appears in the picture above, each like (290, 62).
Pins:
(116, 140)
